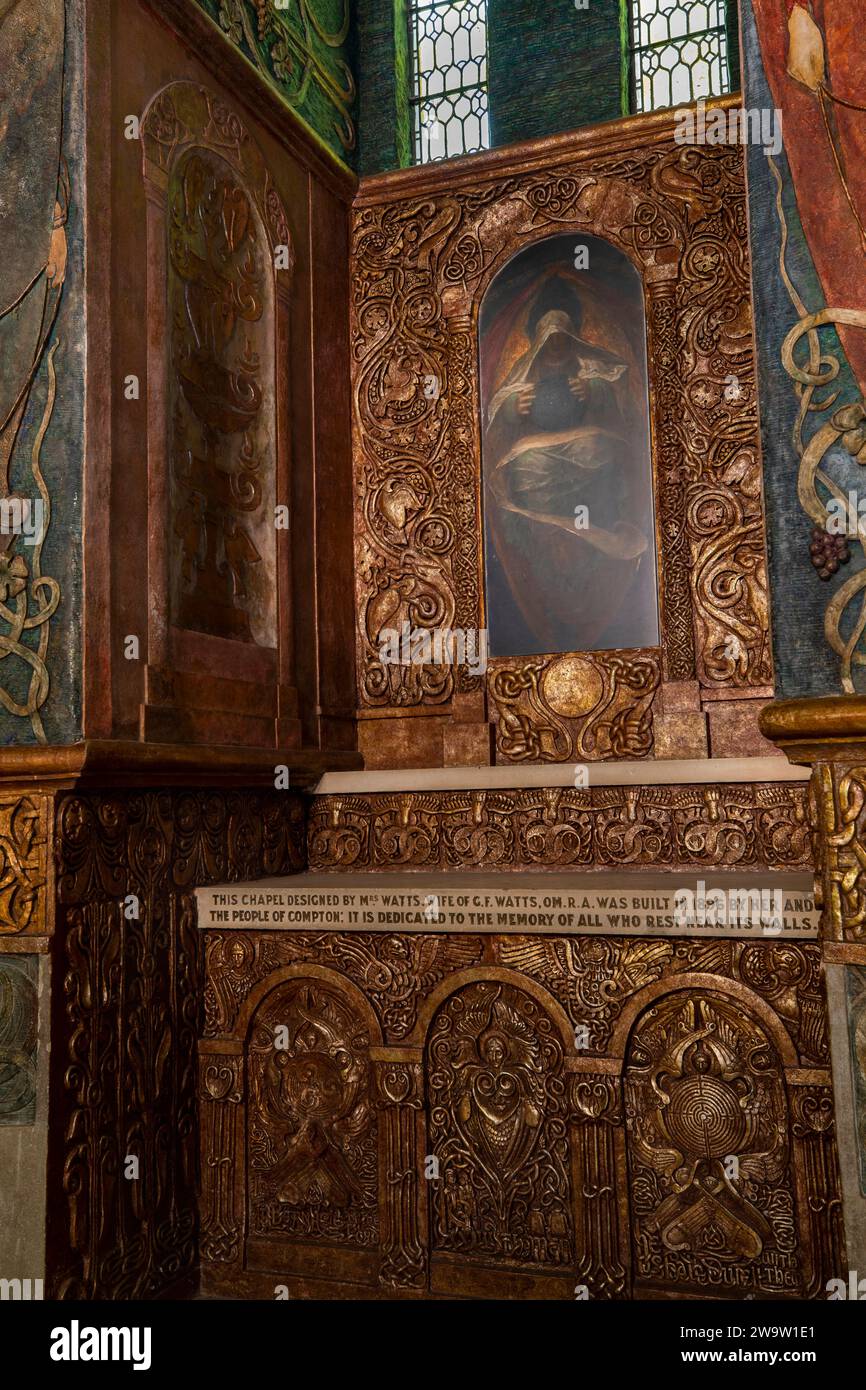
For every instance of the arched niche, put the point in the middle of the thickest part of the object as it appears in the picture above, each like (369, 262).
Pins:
(568, 505)
(219, 268)
(711, 1173)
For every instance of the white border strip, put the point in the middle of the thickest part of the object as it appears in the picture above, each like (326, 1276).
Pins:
(662, 772)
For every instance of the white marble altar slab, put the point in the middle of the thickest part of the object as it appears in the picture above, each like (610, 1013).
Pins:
(753, 905)
(643, 773)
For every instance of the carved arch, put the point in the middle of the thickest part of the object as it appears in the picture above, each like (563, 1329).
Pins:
(217, 407)
(709, 1147)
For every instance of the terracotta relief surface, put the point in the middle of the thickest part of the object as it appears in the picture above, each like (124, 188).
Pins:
(855, 977)
(840, 799)
(312, 1136)
(219, 241)
(222, 409)
(516, 1117)
(765, 825)
(498, 1129)
(24, 835)
(421, 267)
(591, 978)
(574, 708)
(126, 1022)
(712, 1191)
(395, 971)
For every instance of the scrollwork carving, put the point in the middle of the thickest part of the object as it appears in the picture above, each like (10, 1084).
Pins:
(420, 270)
(124, 1061)
(23, 864)
(712, 826)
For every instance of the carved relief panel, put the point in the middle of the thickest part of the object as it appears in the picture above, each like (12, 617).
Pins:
(219, 267)
(311, 1137)
(221, 407)
(498, 1130)
(710, 1180)
(423, 262)
(516, 1116)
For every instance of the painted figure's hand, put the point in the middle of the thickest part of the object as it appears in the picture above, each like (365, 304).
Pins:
(579, 388)
(55, 270)
(525, 399)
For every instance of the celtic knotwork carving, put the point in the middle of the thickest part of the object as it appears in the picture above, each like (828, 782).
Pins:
(593, 979)
(19, 1016)
(555, 829)
(789, 977)
(311, 1122)
(420, 269)
(498, 1128)
(840, 798)
(220, 1093)
(634, 829)
(23, 864)
(711, 1188)
(714, 828)
(559, 709)
(129, 962)
(766, 824)
(728, 580)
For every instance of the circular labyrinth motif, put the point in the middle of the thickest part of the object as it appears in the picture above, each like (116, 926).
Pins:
(704, 1117)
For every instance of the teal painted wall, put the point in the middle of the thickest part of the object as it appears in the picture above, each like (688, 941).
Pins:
(344, 67)
(381, 58)
(304, 51)
(552, 68)
(42, 373)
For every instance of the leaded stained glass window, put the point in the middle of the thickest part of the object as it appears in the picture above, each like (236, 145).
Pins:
(448, 47)
(679, 52)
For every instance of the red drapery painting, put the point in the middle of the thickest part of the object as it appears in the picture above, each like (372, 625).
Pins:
(815, 59)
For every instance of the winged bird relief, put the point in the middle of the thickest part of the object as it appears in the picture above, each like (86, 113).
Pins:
(313, 1099)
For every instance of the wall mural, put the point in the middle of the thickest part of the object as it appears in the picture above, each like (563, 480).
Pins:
(301, 49)
(808, 208)
(568, 504)
(40, 426)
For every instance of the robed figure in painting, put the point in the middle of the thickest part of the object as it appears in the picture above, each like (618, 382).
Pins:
(568, 482)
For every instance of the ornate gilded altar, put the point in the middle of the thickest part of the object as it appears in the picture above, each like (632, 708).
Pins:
(404, 1111)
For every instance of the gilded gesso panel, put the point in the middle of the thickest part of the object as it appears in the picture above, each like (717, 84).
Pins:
(425, 251)
(642, 1118)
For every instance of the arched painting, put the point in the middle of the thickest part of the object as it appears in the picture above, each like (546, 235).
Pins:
(568, 494)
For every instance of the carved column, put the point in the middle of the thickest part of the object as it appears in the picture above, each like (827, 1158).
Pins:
(598, 1164)
(221, 1130)
(829, 734)
(467, 738)
(400, 1092)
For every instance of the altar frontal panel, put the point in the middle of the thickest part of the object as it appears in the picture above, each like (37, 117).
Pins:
(422, 1114)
